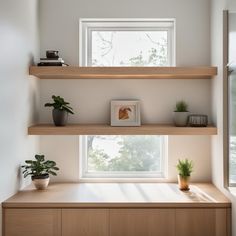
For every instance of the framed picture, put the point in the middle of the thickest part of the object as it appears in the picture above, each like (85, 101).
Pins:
(125, 113)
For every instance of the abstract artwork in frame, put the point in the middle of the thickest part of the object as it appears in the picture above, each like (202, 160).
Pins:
(125, 113)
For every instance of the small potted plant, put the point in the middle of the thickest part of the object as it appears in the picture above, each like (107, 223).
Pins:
(185, 168)
(60, 111)
(181, 114)
(39, 170)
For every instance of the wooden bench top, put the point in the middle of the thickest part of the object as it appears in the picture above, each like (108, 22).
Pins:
(117, 195)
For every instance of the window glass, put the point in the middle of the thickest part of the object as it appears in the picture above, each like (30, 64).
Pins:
(130, 48)
(122, 156)
(232, 99)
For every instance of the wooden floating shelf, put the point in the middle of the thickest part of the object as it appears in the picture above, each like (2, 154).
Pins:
(104, 129)
(75, 72)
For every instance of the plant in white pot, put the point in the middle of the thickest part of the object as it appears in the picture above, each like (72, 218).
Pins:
(181, 114)
(39, 170)
(60, 111)
(185, 168)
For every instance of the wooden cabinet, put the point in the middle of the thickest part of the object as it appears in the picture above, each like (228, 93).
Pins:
(32, 222)
(201, 222)
(142, 222)
(152, 209)
(169, 222)
(85, 222)
(117, 222)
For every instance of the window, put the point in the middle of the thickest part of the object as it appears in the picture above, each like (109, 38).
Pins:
(125, 42)
(114, 42)
(232, 99)
(122, 156)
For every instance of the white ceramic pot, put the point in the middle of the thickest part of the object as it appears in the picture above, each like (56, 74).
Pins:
(181, 118)
(41, 182)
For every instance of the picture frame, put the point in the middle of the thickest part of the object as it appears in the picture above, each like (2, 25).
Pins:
(125, 113)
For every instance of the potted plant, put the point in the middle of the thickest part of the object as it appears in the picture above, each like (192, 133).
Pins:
(185, 168)
(60, 111)
(181, 114)
(39, 170)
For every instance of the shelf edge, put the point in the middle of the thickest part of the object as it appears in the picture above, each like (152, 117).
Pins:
(100, 129)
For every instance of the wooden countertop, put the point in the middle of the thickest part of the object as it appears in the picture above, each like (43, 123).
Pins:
(117, 195)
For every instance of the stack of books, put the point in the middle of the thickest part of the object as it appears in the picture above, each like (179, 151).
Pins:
(51, 62)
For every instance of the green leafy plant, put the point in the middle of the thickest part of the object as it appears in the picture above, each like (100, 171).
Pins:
(60, 104)
(39, 167)
(181, 106)
(185, 167)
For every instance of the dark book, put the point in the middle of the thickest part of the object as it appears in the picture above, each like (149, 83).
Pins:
(50, 64)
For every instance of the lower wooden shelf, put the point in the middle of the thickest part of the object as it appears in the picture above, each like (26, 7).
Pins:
(105, 129)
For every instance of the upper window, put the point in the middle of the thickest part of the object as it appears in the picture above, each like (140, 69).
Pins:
(114, 42)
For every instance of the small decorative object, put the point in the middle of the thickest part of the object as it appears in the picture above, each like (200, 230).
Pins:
(198, 120)
(52, 59)
(60, 111)
(185, 168)
(181, 114)
(39, 170)
(125, 113)
(52, 54)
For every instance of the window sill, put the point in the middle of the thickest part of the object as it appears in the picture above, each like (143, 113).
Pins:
(123, 180)
(232, 190)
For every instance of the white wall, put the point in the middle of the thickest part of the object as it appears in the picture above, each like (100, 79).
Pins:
(59, 29)
(65, 150)
(218, 148)
(18, 93)
(59, 22)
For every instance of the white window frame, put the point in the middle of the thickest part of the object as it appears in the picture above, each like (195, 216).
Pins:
(147, 176)
(86, 26)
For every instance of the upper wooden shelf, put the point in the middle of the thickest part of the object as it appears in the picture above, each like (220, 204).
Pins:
(104, 129)
(73, 72)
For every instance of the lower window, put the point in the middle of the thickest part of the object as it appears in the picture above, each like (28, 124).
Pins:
(122, 156)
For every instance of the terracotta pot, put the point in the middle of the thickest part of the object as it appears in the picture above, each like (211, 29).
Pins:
(41, 182)
(183, 182)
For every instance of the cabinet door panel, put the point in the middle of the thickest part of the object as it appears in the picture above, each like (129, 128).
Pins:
(201, 222)
(85, 222)
(36, 222)
(142, 222)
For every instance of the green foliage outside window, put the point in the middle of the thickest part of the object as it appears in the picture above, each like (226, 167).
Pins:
(136, 153)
